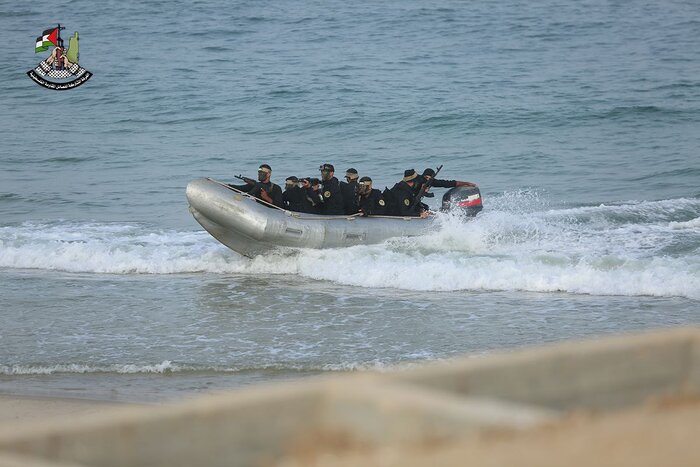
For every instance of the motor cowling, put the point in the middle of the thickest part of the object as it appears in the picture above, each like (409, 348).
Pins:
(464, 198)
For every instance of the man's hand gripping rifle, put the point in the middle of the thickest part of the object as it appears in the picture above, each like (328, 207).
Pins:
(258, 189)
(425, 188)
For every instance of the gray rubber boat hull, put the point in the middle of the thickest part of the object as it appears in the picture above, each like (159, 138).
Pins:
(250, 228)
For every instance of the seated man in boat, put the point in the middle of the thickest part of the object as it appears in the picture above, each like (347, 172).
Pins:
(313, 198)
(309, 205)
(370, 201)
(314, 195)
(293, 196)
(332, 197)
(263, 189)
(404, 197)
(349, 190)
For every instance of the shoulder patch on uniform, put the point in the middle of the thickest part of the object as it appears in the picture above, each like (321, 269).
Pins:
(327, 194)
(406, 202)
(381, 202)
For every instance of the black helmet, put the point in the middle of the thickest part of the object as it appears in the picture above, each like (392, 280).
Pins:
(429, 172)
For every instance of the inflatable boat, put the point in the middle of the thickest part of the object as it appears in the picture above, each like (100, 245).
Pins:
(250, 226)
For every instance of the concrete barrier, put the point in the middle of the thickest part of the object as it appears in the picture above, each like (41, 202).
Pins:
(408, 415)
(602, 374)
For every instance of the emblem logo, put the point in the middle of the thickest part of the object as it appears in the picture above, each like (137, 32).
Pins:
(406, 202)
(327, 194)
(381, 202)
(60, 70)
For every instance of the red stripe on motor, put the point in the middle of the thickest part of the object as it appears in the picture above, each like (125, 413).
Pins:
(464, 204)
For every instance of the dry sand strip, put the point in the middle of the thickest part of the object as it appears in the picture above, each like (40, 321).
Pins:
(663, 432)
(15, 409)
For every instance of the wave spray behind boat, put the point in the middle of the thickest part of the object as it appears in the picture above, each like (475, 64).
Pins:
(649, 248)
(633, 249)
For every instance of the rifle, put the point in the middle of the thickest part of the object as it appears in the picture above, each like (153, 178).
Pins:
(424, 189)
(257, 186)
(249, 181)
(258, 189)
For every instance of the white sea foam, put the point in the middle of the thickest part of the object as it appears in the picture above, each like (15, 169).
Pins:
(170, 367)
(108, 248)
(163, 367)
(601, 250)
(693, 224)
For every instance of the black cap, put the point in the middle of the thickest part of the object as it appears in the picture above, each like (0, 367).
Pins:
(314, 181)
(328, 167)
(409, 175)
(429, 172)
(365, 179)
(351, 171)
(265, 166)
(292, 179)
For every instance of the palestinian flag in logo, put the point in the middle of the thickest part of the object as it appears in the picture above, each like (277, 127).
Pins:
(47, 39)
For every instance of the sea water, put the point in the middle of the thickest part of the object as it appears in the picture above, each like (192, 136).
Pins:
(579, 120)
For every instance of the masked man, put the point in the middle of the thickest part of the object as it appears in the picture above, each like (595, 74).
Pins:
(293, 197)
(263, 189)
(370, 201)
(404, 197)
(349, 190)
(332, 196)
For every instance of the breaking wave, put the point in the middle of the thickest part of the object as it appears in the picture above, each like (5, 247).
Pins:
(168, 367)
(636, 248)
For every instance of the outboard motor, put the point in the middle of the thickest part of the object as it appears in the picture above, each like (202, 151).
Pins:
(465, 198)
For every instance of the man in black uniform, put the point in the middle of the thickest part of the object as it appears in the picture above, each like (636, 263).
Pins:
(308, 200)
(314, 196)
(293, 196)
(369, 200)
(404, 196)
(263, 189)
(349, 191)
(332, 197)
(429, 174)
